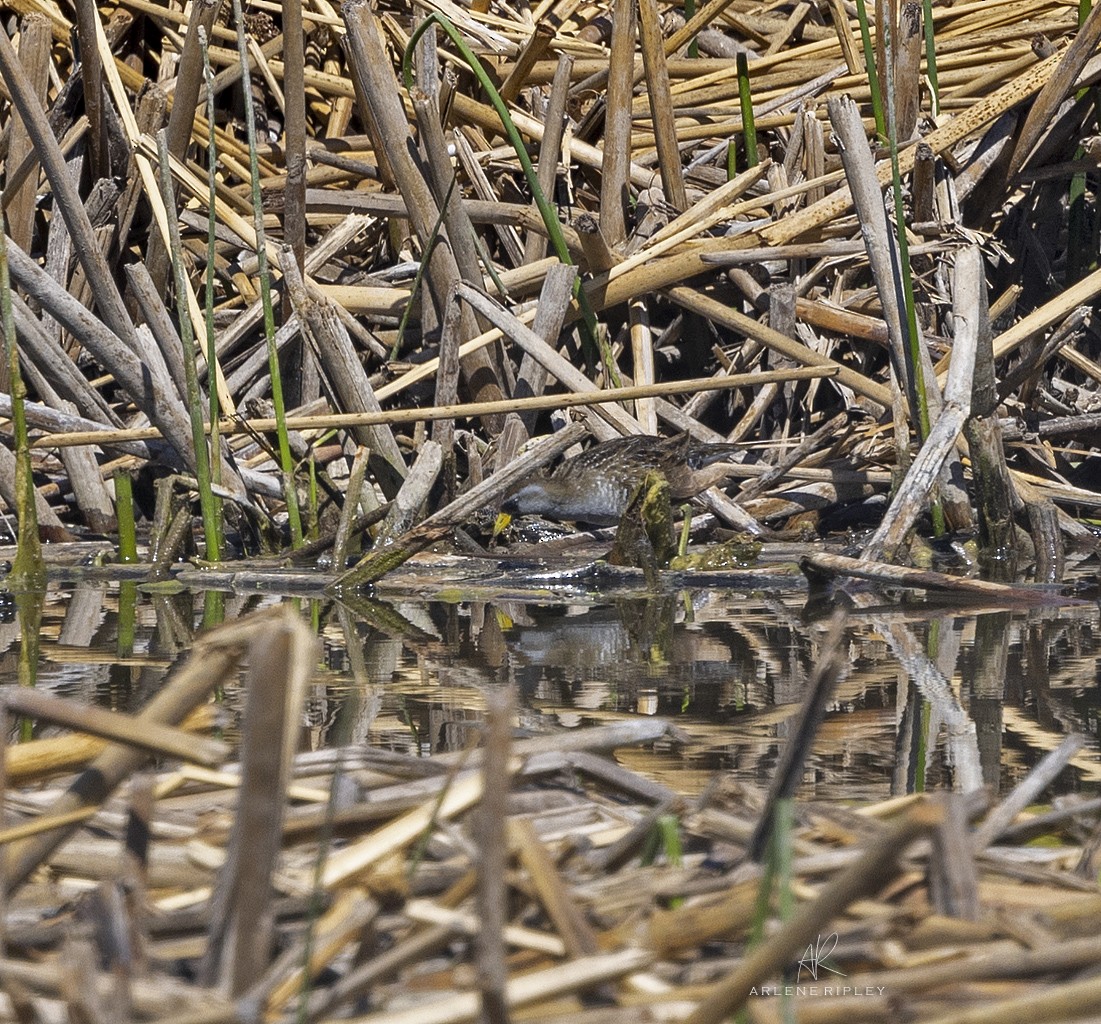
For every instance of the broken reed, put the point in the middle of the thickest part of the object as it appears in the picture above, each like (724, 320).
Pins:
(286, 460)
(124, 517)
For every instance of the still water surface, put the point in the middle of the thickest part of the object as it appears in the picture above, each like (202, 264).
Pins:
(930, 698)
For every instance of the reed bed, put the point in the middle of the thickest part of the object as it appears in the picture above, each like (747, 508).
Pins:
(176, 878)
(427, 234)
(317, 280)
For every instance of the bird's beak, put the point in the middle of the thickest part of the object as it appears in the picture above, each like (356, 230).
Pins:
(501, 524)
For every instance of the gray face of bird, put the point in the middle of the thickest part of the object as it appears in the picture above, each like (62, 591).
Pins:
(527, 499)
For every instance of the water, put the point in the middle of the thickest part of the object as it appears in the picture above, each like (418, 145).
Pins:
(930, 697)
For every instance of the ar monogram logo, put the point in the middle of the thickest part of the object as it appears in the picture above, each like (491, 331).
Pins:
(815, 956)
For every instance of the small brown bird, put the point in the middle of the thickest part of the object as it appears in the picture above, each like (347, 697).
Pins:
(596, 486)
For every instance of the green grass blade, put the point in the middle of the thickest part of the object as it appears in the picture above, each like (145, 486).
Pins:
(211, 529)
(208, 303)
(594, 335)
(931, 54)
(869, 64)
(286, 460)
(28, 570)
(745, 101)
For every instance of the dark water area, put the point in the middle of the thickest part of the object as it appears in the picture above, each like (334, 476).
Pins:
(930, 698)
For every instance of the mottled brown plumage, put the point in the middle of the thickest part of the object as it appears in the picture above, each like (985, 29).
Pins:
(595, 486)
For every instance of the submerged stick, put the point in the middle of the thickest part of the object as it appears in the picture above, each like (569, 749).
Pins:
(823, 564)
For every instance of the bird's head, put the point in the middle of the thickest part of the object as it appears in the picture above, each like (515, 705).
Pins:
(531, 498)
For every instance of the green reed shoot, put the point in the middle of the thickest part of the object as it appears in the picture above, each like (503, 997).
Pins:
(422, 269)
(208, 298)
(313, 521)
(689, 12)
(776, 879)
(745, 101)
(28, 607)
(777, 871)
(869, 64)
(210, 511)
(592, 333)
(28, 570)
(124, 514)
(214, 608)
(917, 374)
(919, 398)
(931, 54)
(286, 460)
(920, 755)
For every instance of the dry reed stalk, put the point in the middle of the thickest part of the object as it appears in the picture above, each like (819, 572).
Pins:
(19, 196)
(614, 193)
(215, 657)
(642, 352)
(554, 301)
(829, 564)
(880, 243)
(405, 509)
(348, 382)
(846, 36)
(109, 725)
(492, 816)
(911, 498)
(657, 92)
(185, 98)
(381, 94)
(281, 656)
(294, 191)
(441, 180)
(535, 247)
(63, 436)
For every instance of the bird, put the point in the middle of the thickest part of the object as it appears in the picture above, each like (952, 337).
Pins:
(596, 486)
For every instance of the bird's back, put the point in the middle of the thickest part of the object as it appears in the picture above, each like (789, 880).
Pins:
(595, 486)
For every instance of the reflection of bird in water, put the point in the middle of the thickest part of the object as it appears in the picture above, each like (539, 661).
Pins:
(596, 486)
